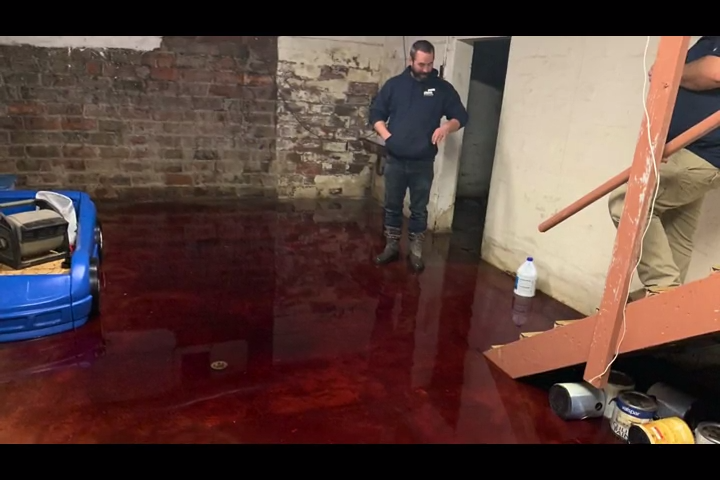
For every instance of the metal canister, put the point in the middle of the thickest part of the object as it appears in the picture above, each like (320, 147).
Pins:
(666, 431)
(617, 382)
(631, 408)
(576, 401)
(671, 402)
(707, 433)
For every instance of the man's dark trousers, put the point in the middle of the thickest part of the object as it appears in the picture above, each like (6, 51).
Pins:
(401, 175)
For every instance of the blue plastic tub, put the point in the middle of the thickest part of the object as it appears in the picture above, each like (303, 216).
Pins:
(7, 182)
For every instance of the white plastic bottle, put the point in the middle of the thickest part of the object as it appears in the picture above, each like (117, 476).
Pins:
(525, 279)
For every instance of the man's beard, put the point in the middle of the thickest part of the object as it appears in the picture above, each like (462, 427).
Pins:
(419, 75)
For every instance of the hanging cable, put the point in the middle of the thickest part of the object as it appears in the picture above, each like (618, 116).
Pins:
(445, 57)
(652, 208)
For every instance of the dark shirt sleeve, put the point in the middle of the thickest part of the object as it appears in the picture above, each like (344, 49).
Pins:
(715, 52)
(380, 108)
(453, 108)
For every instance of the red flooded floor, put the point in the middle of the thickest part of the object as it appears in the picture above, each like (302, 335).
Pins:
(321, 346)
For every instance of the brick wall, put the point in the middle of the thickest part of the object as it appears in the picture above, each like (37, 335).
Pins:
(194, 117)
(324, 92)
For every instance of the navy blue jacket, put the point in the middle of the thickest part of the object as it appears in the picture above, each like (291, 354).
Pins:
(412, 110)
(693, 107)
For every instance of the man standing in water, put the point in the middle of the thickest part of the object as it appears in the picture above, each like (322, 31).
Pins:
(407, 114)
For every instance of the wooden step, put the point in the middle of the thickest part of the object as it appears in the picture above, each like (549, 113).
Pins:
(529, 334)
(650, 322)
(562, 323)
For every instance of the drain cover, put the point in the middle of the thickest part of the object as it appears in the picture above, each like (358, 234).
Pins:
(219, 365)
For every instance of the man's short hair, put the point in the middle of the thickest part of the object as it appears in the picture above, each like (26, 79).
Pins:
(421, 46)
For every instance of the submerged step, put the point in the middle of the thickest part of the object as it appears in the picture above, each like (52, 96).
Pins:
(562, 323)
(528, 334)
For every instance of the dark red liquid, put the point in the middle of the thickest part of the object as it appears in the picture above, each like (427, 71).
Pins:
(320, 345)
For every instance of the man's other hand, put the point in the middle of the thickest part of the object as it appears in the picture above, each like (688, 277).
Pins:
(439, 135)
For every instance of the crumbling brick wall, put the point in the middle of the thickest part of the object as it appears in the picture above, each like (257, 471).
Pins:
(324, 92)
(195, 117)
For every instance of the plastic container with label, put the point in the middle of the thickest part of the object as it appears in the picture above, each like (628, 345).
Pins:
(526, 279)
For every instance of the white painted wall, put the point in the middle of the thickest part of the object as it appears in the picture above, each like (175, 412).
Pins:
(134, 43)
(571, 117)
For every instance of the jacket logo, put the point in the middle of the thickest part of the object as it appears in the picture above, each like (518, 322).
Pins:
(429, 92)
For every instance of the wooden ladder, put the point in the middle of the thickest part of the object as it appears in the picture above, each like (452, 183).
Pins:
(688, 311)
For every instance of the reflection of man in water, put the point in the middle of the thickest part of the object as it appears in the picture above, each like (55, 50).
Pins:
(393, 335)
(413, 103)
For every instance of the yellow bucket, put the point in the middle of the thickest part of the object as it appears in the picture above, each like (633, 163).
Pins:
(667, 431)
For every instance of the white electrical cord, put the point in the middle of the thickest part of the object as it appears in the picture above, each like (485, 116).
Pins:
(445, 55)
(652, 208)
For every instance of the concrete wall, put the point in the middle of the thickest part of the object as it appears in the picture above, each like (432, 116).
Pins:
(158, 117)
(479, 140)
(570, 120)
(484, 104)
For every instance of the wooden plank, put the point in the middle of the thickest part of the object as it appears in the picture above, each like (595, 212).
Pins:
(667, 72)
(50, 268)
(563, 323)
(529, 334)
(685, 312)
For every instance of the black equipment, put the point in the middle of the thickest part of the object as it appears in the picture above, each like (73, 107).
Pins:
(32, 237)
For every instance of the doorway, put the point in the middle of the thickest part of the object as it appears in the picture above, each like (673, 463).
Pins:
(487, 85)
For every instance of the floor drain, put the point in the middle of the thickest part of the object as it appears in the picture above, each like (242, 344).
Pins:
(219, 365)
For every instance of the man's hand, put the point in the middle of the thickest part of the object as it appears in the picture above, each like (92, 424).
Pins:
(448, 127)
(381, 129)
(440, 134)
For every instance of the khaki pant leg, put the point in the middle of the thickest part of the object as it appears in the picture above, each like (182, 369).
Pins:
(684, 180)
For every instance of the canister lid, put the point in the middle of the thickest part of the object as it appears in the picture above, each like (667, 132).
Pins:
(638, 400)
(710, 430)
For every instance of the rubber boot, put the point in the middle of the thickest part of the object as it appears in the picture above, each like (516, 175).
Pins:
(392, 246)
(415, 256)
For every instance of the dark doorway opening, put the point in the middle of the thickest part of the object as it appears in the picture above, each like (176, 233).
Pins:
(487, 87)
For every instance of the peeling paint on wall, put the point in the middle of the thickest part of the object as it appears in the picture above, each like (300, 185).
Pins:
(129, 42)
(324, 92)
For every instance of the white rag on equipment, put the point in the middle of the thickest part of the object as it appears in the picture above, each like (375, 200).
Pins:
(65, 207)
